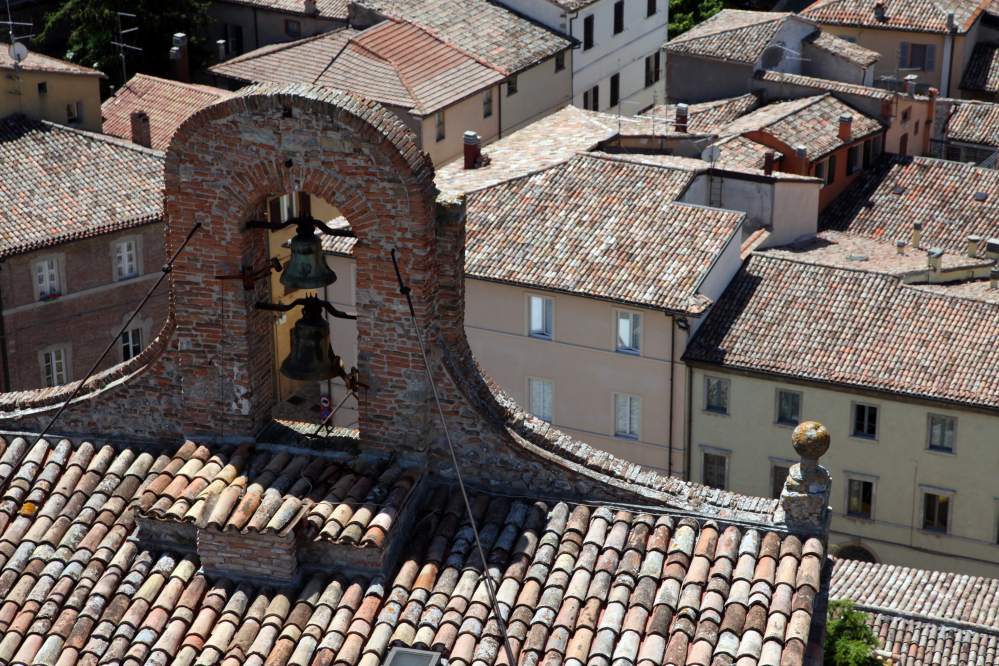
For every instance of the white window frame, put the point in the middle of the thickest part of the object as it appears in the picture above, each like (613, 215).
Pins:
(629, 397)
(74, 113)
(634, 351)
(143, 324)
(550, 384)
(56, 268)
(288, 205)
(774, 464)
(801, 407)
(128, 343)
(123, 268)
(728, 396)
(714, 451)
(857, 476)
(929, 432)
(487, 103)
(853, 421)
(932, 490)
(67, 352)
(439, 124)
(549, 318)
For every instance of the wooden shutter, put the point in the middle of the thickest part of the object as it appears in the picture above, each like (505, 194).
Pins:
(903, 55)
(831, 171)
(931, 56)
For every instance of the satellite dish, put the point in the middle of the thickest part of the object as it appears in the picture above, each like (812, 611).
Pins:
(711, 154)
(18, 52)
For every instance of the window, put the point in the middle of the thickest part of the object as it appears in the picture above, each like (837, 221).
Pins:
(234, 39)
(941, 433)
(439, 119)
(865, 421)
(293, 29)
(779, 471)
(43, 88)
(487, 103)
(852, 40)
(716, 395)
(831, 170)
(915, 132)
(919, 57)
(615, 94)
(651, 69)
(559, 62)
(74, 112)
(714, 467)
(588, 33)
(287, 206)
(820, 170)
(125, 261)
(853, 159)
(936, 509)
(629, 332)
(860, 498)
(619, 17)
(511, 86)
(788, 407)
(628, 415)
(867, 154)
(541, 398)
(905, 114)
(876, 147)
(131, 343)
(54, 367)
(47, 279)
(591, 99)
(541, 316)
(650, 8)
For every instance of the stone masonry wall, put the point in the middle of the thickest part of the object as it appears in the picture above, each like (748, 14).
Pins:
(266, 556)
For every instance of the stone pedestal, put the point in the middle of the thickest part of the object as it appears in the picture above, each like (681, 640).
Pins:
(805, 498)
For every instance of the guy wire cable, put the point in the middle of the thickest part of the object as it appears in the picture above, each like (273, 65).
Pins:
(404, 290)
(167, 267)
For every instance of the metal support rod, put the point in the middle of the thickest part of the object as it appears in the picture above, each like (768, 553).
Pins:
(404, 290)
(302, 220)
(167, 267)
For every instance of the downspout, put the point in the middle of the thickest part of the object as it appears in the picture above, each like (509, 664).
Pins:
(3, 342)
(947, 55)
(672, 389)
(499, 109)
(687, 439)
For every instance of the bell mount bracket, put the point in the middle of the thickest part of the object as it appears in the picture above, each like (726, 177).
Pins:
(309, 302)
(306, 226)
(250, 276)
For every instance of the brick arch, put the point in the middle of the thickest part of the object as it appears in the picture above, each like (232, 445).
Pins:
(221, 165)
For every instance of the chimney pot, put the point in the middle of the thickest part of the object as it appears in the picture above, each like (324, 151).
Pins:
(879, 10)
(910, 84)
(180, 68)
(900, 247)
(800, 152)
(992, 249)
(473, 148)
(934, 258)
(994, 278)
(768, 162)
(220, 48)
(140, 129)
(845, 127)
(310, 7)
(951, 24)
(682, 111)
(917, 232)
(973, 242)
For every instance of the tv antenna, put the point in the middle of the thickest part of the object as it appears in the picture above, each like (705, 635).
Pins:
(122, 45)
(17, 51)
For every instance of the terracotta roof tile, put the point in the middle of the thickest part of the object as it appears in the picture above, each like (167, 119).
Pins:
(842, 48)
(824, 85)
(36, 62)
(895, 338)
(732, 34)
(974, 122)
(709, 117)
(982, 71)
(61, 184)
(326, 9)
(909, 15)
(168, 103)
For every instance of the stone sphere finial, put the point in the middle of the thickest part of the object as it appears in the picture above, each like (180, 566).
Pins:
(811, 440)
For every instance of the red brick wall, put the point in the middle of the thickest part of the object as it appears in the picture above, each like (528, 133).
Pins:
(90, 308)
(252, 555)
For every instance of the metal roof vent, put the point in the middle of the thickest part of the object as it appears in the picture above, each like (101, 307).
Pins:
(399, 656)
(801, 151)
(898, 189)
(981, 196)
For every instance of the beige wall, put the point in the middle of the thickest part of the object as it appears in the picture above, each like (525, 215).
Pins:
(887, 43)
(541, 91)
(464, 116)
(62, 89)
(898, 458)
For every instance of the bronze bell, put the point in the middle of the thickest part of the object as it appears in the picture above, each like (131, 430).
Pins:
(307, 268)
(311, 358)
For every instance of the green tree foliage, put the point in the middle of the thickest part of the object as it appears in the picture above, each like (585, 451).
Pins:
(92, 25)
(849, 641)
(685, 14)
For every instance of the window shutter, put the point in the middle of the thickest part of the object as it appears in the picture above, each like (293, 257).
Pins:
(235, 34)
(304, 204)
(831, 171)
(931, 56)
(903, 55)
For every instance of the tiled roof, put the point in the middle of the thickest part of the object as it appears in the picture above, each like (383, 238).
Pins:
(741, 154)
(732, 34)
(489, 32)
(842, 48)
(60, 184)
(974, 122)
(168, 103)
(708, 117)
(924, 617)
(839, 250)
(598, 226)
(327, 9)
(394, 63)
(853, 328)
(36, 62)
(982, 72)
(810, 121)
(823, 84)
(587, 584)
(885, 200)
(910, 15)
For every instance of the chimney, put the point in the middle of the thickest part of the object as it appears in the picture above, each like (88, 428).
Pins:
(879, 10)
(951, 24)
(801, 152)
(180, 69)
(681, 117)
(473, 148)
(994, 278)
(973, 242)
(220, 48)
(900, 247)
(992, 249)
(310, 7)
(917, 232)
(845, 127)
(768, 163)
(934, 258)
(910, 84)
(140, 129)
(805, 498)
